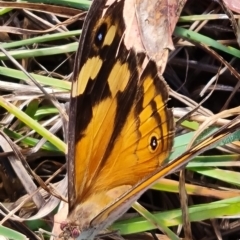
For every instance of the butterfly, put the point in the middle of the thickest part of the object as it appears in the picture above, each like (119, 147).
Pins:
(120, 129)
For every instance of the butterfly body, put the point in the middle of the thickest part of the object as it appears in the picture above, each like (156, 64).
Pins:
(120, 129)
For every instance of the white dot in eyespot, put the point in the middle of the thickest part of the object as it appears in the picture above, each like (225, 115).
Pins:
(100, 37)
(153, 143)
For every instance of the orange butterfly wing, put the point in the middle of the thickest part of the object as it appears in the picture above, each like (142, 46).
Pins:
(120, 129)
(134, 193)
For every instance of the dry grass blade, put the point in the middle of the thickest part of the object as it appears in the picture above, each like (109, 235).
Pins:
(20, 170)
(184, 207)
(45, 8)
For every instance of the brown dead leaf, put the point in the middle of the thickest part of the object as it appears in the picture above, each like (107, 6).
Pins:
(156, 21)
(229, 6)
(149, 27)
(234, 5)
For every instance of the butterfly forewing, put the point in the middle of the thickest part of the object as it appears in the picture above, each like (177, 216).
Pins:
(120, 129)
(95, 58)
